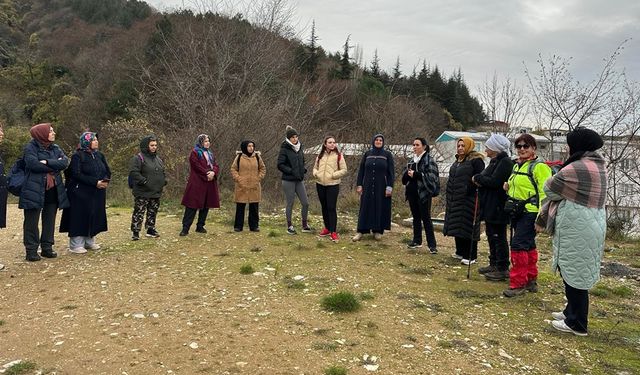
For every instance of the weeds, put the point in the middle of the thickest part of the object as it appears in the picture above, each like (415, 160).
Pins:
(20, 368)
(335, 370)
(341, 302)
(366, 296)
(327, 346)
(273, 234)
(247, 269)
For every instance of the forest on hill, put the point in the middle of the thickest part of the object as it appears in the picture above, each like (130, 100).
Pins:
(123, 69)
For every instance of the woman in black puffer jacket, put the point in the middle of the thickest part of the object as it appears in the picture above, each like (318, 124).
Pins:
(461, 201)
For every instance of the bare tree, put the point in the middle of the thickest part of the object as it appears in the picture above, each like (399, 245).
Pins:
(504, 101)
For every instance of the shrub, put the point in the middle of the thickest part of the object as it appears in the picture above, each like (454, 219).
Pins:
(335, 370)
(246, 269)
(20, 368)
(341, 302)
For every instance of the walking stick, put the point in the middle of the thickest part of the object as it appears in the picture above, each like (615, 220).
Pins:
(473, 229)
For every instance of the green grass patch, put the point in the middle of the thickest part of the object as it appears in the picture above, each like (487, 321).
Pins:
(366, 296)
(273, 233)
(622, 291)
(423, 271)
(321, 245)
(335, 370)
(294, 284)
(341, 302)
(247, 269)
(21, 368)
(327, 346)
(2, 322)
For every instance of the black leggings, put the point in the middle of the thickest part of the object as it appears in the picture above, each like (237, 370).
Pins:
(328, 196)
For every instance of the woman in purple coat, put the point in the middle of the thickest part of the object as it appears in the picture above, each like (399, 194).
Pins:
(201, 192)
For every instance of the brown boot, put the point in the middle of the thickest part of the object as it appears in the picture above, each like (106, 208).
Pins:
(512, 292)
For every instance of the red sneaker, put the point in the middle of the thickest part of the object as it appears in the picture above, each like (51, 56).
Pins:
(324, 232)
(335, 237)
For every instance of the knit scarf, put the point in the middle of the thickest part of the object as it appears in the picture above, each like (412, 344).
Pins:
(296, 147)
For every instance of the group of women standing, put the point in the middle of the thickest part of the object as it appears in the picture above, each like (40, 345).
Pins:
(570, 205)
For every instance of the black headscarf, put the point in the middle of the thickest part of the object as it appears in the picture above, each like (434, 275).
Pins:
(374, 150)
(244, 147)
(581, 140)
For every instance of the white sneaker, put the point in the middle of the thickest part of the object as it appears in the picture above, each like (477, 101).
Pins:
(95, 246)
(357, 237)
(78, 250)
(466, 261)
(559, 315)
(561, 326)
(377, 236)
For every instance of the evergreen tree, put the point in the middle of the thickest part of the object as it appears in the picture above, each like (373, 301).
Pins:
(375, 65)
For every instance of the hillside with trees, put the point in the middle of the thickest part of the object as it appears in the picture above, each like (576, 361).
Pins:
(123, 69)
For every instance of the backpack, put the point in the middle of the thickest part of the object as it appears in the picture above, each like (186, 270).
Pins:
(535, 200)
(130, 180)
(16, 177)
(238, 162)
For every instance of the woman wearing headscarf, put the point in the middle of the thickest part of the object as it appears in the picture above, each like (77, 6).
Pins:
(87, 179)
(328, 169)
(376, 176)
(147, 178)
(201, 192)
(462, 201)
(574, 214)
(43, 191)
(3, 190)
(492, 200)
(422, 182)
(525, 196)
(247, 171)
(291, 164)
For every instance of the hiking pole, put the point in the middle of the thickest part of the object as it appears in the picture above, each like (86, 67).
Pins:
(473, 230)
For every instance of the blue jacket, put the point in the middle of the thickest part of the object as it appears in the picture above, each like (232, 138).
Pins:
(32, 195)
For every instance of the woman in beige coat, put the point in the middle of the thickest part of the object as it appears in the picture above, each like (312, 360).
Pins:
(328, 169)
(247, 171)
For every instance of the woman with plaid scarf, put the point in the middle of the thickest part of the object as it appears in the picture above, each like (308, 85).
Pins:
(575, 215)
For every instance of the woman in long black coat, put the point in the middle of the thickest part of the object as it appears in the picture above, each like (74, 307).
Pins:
(375, 185)
(462, 201)
(87, 181)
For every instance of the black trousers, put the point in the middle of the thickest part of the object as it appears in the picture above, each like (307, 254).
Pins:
(189, 216)
(32, 237)
(254, 219)
(464, 245)
(421, 213)
(328, 196)
(577, 309)
(498, 246)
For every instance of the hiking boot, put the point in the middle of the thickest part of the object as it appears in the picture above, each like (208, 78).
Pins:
(433, 250)
(32, 256)
(77, 250)
(467, 262)
(48, 253)
(324, 232)
(291, 230)
(153, 233)
(135, 236)
(512, 292)
(357, 237)
(414, 245)
(377, 236)
(307, 229)
(334, 237)
(559, 315)
(532, 286)
(201, 230)
(561, 326)
(487, 269)
(497, 275)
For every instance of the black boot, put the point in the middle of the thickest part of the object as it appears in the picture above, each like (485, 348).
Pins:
(32, 256)
(48, 253)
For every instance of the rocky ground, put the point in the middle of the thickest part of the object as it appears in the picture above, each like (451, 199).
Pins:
(177, 305)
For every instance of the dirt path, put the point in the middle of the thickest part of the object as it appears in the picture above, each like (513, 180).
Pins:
(181, 306)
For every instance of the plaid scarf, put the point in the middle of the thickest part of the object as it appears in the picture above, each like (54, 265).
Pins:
(583, 182)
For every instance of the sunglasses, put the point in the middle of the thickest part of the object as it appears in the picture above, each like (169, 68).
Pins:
(525, 146)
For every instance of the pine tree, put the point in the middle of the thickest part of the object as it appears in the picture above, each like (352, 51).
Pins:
(375, 65)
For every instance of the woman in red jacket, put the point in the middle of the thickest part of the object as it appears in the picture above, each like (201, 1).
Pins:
(201, 192)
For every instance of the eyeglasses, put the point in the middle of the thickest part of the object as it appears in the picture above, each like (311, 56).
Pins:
(525, 146)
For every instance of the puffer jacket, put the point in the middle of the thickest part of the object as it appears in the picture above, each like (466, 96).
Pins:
(35, 183)
(329, 170)
(291, 163)
(147, 172)
(461, 199)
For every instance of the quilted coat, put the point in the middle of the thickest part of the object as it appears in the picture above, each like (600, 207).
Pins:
(32, 195)
(248, 177)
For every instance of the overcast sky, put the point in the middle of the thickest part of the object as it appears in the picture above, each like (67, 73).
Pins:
(480, 37)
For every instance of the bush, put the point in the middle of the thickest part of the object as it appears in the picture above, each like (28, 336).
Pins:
(246, 269)
(341, 302)
(335, 370)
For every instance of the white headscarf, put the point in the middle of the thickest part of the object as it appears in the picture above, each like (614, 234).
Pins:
(498, 143)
